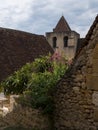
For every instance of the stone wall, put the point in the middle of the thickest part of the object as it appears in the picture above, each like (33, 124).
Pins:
(22, 116)
(76, 98)
(25, 117)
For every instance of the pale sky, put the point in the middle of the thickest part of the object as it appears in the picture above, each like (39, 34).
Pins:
(40, 16)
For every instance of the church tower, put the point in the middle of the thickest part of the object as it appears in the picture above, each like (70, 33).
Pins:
(63, 38)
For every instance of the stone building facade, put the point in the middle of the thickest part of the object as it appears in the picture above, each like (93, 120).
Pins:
(63, 38)
(76, 96)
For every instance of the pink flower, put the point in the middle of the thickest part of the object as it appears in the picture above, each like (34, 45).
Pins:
(56, 56)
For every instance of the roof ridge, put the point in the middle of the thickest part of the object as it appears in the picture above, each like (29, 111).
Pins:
(20, 31)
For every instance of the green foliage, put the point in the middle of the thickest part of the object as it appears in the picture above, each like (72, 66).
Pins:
(17, 83)
(42, 64)
(36, 82)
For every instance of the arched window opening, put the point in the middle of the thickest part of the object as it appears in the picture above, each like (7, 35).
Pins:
(65, 41)
(54, 42)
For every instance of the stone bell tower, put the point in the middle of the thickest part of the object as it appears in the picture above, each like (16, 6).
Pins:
(63, 38)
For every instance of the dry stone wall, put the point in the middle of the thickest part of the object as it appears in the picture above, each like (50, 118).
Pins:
(26, 118)
(22, 116)
(76, 98)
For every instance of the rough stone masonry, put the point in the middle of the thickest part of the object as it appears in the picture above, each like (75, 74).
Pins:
(76, 98)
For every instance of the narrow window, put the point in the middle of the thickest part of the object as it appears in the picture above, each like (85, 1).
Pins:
(65, 41)
(54, 42)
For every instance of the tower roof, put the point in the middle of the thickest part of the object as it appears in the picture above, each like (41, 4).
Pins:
(62, 26)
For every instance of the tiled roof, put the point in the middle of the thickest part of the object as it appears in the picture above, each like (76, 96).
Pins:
(88, 36)
(62, 26)
(17, 48)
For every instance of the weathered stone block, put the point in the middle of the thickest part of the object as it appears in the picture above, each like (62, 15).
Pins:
(92, 82)
(89, 81)
(95, 98)
(95, 65)
(76, 90)
(95, 53)
(78, 78)
(96, 114)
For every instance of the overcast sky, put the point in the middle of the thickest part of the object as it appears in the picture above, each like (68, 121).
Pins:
(40, 16)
